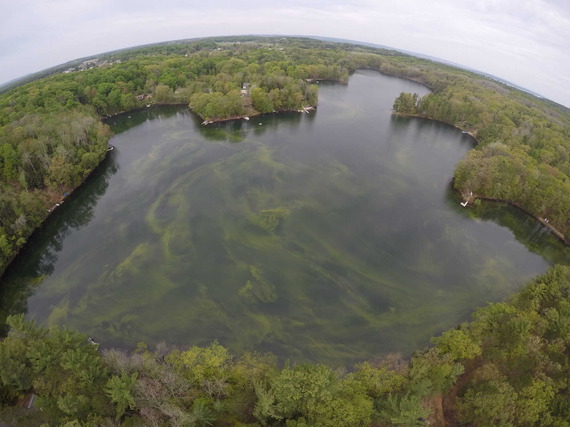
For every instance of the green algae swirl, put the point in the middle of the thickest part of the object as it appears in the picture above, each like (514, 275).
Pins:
(331, 236)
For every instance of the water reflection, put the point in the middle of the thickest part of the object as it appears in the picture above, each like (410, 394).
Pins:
(38, 257)
(235, 131)
(528, 231)
(124, 121)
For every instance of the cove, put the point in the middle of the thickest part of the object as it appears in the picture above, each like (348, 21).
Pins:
(332, 236)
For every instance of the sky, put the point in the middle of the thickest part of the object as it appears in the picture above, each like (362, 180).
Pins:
(526, 42)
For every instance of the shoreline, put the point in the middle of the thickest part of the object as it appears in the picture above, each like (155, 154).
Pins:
(54, 208)
(141, 108)
(206, 122)
(542, 221)
(472, 134)
(307, 109)
(59, 201)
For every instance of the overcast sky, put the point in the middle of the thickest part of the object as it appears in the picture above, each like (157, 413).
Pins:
(526, 42)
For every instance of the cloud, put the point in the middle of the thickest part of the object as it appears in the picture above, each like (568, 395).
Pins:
(524, 41)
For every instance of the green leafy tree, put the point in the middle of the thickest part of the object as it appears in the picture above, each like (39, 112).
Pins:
(406, 103)
(316, 394)
(406, 410)
(261, 100)
(201, 364)
(457, 343)
(120, 390)
(61, 366)
(490, 401)
(8, 162)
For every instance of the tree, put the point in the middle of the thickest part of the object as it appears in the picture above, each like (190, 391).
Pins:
(458, 344)
(261, 101)
(163, 94)
(61, 366)
(120, 390)
(490, 400)
(8, 162)
(406, 410)
(58, 173)
(201, 364)
(314, 393)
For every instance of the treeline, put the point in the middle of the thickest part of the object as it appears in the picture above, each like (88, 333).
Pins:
(509, 366)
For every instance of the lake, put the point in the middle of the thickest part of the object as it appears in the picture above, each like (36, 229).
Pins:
(332, 236)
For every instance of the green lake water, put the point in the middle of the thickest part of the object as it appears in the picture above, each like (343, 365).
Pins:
(332, 236)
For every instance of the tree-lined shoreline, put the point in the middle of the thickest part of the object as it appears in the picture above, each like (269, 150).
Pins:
(508, 366)
(522, 153)
(472, 198)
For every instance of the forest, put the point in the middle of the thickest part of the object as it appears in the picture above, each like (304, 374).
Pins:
(509, 366)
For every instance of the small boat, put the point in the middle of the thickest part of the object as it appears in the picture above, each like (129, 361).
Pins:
(246, 118)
